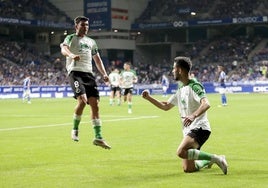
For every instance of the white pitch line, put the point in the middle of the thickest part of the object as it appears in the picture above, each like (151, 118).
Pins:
(64, 124)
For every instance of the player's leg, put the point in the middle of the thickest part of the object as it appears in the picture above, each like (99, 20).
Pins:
(164, 91)
(223, 96)
(93, 102)
(223, 99)
(96, 123)
(78, 111)
(118, 97)
(129, 96)
(125, 95)
(194, 154)
(79, 94)
(29, 96)
(189, 149)
(23, 95)
(111, 102)
(129, 99)
(187, 143)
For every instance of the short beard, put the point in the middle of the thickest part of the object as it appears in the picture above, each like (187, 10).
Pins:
(177, 78)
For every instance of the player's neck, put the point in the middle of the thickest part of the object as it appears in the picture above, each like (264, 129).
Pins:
(185, 81)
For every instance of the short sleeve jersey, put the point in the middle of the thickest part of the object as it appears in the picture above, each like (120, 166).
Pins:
(188, 98)
(128, 78)
(85, 47)
(114, 78)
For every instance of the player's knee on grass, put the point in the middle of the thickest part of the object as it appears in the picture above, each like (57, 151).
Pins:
(188, 166)
(188, 169)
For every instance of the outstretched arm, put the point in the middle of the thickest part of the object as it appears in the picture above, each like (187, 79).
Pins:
(162, 105)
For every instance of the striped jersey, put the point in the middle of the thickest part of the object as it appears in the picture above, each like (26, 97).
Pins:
(26, 83)
(222, 78)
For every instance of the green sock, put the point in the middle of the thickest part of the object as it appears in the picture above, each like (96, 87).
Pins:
(129, 105)
(76, 121)
(97, 128)
(118, 102)
(201, 164)
(111, 102)
(194, 154)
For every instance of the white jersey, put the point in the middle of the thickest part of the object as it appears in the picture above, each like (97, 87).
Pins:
(188, 98)
(128, 78)
(114, 78)
(85, 47)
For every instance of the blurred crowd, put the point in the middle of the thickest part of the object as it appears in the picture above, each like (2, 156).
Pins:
(171, 10)
(27, 9)
(16, 61)
(238, 55)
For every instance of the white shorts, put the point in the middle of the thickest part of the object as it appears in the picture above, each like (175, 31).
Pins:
(27, 92)
(165, 88)
(222, 90)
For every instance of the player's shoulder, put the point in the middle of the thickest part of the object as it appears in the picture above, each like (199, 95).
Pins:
(132, 71)
(196, 86)
(71, 36)
(68, 39)
(89, 39)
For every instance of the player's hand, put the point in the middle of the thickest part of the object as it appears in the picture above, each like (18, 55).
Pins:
(106, 78)
(75, 57)
(188, 120)
(145, 93)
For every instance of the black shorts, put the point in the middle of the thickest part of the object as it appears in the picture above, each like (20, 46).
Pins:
(83, 83)
(115, 88)
(199, 135)
(127, 90)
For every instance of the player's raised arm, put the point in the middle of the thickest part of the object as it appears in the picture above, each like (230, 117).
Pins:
(162, 105)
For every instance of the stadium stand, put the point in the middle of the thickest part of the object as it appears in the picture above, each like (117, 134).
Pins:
(38, 9)
(243, 56)
(168, 10)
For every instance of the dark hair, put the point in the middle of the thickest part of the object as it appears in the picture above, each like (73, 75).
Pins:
(183, 62)
(80, 18)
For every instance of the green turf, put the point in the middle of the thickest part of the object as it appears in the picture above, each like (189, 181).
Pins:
(36, 149)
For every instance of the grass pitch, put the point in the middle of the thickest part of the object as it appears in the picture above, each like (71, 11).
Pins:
(37, 151)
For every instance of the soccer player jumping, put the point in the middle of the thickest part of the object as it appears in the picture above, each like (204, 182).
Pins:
(79, 50)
